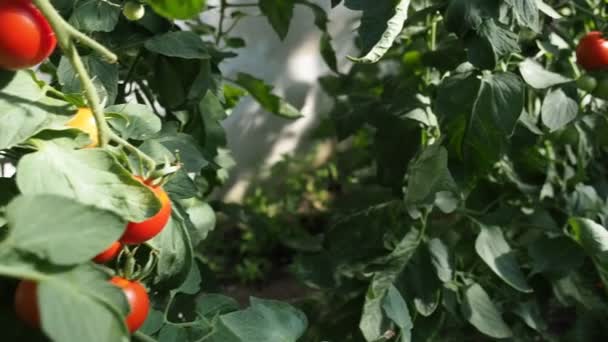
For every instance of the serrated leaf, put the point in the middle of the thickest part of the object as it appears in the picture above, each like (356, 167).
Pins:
(526, 12)
(134, 121)
(95, 16)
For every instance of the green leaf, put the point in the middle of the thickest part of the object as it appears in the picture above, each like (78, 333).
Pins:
(531, 315)
(134, 121)
(396, 309)
(82, 305)
(526, 12)
(181, 44)
(558, 254)
(62, 230)
(24, 110)
(394, 26)
(480, 311)
(594, 239)
(499, 104)
(261, 92)
(558, 110)
(265, 321)
(202, 217)
(93, 16)
(90, 176)
(105, 77)
(496, 253)
(184, 9)
(210, 305)
(279, 14)
(538, 77)
(372, 317)
(328, 53)
(441, 260)
(176, 255)
(429, 175)
(187, 148)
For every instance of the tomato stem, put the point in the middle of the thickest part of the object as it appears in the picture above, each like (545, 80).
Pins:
(67, 35)
(141, 155)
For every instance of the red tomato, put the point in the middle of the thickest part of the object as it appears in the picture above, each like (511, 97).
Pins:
(592, 51)
(139, 302)
(109, 254)
(26, 303)
(138, 232)
(26, 38)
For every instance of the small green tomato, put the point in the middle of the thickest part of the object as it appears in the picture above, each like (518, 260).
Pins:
(586, 83)
(601, 91)
(133, 10)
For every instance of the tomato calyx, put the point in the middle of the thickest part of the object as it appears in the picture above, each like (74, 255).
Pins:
(109, 254)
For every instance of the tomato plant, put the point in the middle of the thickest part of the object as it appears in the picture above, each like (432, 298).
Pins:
(460, 196)
(592, 51)
(138, 232)
(27, 38)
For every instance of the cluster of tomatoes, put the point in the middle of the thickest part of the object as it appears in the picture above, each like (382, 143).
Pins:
(592, 55)
(26, 301)
(26, 39)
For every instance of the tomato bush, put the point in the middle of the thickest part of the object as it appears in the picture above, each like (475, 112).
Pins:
(464, 198)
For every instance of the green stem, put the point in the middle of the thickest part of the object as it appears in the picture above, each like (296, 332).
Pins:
(138, 335)
(220, 26)
(124, 143)
(66, 35)
(91, 95)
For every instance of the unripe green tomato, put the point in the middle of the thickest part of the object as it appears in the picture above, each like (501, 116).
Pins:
(412, 59)
(586, 83)
(601, 91)
(133, 10)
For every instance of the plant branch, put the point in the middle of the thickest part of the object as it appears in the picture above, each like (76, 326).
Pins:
(124, 143)
(66, 36)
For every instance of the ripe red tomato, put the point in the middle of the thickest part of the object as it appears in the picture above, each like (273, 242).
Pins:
(138, 232)
(109, 254)
(592, 51)
(26, 38)
(26, 303)
(139, 302)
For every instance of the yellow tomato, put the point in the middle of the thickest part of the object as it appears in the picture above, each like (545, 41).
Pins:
(85, 121)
